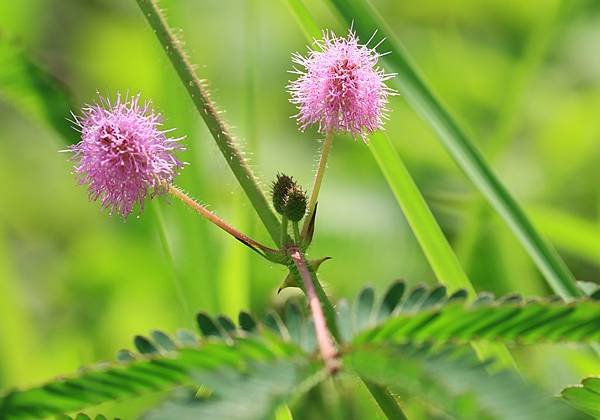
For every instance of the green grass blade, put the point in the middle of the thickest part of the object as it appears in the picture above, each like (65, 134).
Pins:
(570, 233)
(411, 85)
(304, 19)
(437, 250)
(387, 402)
(509, 114)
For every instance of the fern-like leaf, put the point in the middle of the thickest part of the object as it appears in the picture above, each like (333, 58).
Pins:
(160, 365)
(423, 314)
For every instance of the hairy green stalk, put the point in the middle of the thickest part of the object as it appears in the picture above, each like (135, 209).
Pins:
(213, 218)
(314, 194)
(206, 107)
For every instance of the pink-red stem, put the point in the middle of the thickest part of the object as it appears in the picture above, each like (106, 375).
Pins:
(326, 347)
(204, 212)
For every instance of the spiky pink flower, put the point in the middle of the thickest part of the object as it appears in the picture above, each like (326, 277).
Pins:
(123, 155)
(340, 88)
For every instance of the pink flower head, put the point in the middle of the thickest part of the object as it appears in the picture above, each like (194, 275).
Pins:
(123, 155)
(341, 88)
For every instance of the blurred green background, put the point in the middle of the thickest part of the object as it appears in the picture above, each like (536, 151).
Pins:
(76, 284)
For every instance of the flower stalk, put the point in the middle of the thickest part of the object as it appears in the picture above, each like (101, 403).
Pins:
(213, 218)
(314, 195)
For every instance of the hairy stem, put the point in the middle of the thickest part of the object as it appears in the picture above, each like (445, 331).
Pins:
(213, 218)
(326, 347)
(208, 111)
(314, 195)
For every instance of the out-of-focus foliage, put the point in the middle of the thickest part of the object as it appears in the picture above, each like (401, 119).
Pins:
(77, 283)
(247, 371)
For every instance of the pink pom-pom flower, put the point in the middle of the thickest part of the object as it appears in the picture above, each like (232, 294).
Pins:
(123, 155)
(341, 88)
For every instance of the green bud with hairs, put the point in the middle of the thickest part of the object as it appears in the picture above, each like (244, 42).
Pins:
(295, 204)
(279, 191)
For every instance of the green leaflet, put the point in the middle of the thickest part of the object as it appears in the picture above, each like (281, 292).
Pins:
(411, 85)
(453, 381)
(584, 396)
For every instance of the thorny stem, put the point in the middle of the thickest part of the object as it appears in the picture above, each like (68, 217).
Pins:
(326, 347)
(312, 202)
(207, 214)
(204, 104)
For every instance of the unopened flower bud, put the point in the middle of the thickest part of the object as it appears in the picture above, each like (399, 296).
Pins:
(280, 188)
(295, 204)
